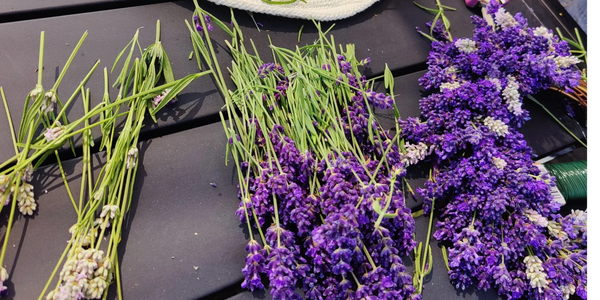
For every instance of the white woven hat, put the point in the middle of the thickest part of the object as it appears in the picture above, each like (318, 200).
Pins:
(320, 10)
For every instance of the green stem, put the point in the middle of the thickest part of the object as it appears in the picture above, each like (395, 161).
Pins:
(41, 59)
(557, 120)
(426, 248)
(387, 202)
(10, 124)
(62, 174)
(10, 221)
(66, 67)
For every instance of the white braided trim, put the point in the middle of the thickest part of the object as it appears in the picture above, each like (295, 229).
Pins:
(320, 10)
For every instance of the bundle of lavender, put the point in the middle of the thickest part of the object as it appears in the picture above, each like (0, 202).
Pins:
(90, 265)
(498, 215)
(321, 184)
(87, 271)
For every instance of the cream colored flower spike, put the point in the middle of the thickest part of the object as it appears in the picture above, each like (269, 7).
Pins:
(320, 10)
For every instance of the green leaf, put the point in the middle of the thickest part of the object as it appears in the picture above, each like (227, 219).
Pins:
(300, 32)
(429, 264)
(177, 88)
(445, 255)
(431, 10)
(446, 22)
(376, 206)
(448, 7)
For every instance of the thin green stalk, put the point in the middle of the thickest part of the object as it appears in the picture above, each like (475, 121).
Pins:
(41, 59)
(66, 67)
(62, 174)
(10, 124)
(427, 249)
(557, 120)
(10, 221)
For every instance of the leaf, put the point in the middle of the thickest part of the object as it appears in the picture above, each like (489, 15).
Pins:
(448, 7)
(446, 22)
(445, 255)
(431, 10)
(166, 68)
(300, 32)
(429, 264)
(376, 206)
(177, 88)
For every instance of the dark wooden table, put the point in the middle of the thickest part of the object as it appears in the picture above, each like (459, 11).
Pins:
(182, 239)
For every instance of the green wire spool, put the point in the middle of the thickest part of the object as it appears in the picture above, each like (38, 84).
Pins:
(571, 179)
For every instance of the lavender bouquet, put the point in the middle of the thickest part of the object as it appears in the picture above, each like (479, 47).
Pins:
(321, 184)
(497, 212)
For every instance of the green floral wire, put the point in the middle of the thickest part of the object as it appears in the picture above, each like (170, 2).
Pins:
(571, 179)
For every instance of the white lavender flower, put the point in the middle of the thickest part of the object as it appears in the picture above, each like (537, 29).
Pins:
(466, 45)
(27, 173)
(25, 199)
(555, 229)
(496, 126)
(580, 217)
(535, 272)
(36, 91)
(567, 291)
(109, 208)
(131, 157)
(96, 288)
(566, 61)
(80, 276)
(53, 133)
(499, 163)
(450, 85)
(159, 98)
(414, 153)
(100, 222)
(49, 101)
(536, 218)
(543, 31)
(504, 19)
(512, 96)
(538, 280)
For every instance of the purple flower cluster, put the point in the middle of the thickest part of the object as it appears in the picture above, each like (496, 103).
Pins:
(198, 24)
(338, 222)
(498, 213)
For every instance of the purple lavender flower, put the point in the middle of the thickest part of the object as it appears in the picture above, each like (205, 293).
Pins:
(255, 261)
(199, 24)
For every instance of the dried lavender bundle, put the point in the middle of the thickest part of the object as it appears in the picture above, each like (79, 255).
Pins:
(497, 211)
(321, 184)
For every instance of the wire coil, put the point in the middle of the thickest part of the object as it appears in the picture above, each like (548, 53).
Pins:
(571, 179)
